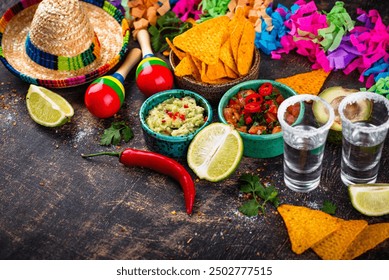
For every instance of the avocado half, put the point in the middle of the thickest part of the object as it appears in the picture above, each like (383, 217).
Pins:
(334, 95)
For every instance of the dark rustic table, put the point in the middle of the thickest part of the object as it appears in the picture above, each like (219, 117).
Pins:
(56, 205)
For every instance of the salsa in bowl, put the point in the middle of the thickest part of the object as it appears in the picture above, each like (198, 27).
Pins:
(251, 107)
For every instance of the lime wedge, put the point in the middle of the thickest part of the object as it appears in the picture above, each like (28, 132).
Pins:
(48, 108)
(370, 199)
(215, 152)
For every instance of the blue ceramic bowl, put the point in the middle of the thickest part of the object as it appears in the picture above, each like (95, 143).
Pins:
(257, 146)
(172, 146)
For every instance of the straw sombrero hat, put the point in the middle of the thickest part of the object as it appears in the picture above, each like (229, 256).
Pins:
(58, 44)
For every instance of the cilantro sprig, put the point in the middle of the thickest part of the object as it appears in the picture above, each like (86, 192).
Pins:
(260, 195)
(168, 25)
(328, 207)
(115, 133)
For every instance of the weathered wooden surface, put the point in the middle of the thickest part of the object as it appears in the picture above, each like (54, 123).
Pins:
(56, 205)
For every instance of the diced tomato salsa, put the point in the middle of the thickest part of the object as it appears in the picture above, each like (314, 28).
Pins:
(255, 111)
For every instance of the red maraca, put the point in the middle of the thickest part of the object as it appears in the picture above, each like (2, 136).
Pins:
(152, 74)
(105, 95)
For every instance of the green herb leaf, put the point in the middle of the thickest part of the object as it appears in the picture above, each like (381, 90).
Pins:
(115, 133)
(251, 184)
(250, 208)
(168, 25)
(328, 207)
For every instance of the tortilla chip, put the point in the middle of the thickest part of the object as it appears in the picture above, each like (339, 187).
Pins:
(227, 56)
(195, 69)
(306, 83)
(230, 73)
(176, 51)
(184, 68)
(334, 246)
(204, 40)
(246, 49)
(216, 71)
(305, 226)
(369, 238)
(236, 27)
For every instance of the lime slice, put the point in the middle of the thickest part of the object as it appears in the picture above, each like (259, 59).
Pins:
(370, 199)
(215, 152)
(47, 108)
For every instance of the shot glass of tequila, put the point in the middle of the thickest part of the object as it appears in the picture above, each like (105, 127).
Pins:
(365, 123)
(305, 121)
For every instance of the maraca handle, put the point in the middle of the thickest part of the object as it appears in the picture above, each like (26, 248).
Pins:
(143, 37)
(131, 60)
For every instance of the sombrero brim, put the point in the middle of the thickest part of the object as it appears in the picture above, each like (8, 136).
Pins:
(109, 24)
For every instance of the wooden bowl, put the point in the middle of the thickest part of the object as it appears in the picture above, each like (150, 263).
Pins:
(213, 92)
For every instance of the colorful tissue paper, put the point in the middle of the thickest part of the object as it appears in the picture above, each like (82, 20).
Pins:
(304, 23)
(269, 41)
(380, 87)
(185, 9)
(343, 54)
(371, 40)
(213, 8)
(339, 22)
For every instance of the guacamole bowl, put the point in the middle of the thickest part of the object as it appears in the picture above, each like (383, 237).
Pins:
(154, 129)
(257, 145)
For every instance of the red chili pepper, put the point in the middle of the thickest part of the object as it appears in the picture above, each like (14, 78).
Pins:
(161, 164)
(252, 107)
(254, 97)
(265, 89)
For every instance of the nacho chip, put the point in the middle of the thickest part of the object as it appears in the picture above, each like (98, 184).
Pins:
(216, 71)
(195, 69)
(246, 49)
(333, 246)
(176, 51)
(230, 72)
(227, 56)
(184, 68)
(305, 226)
(235, 28)
(198, 66)
(369, 238)
(306, 83)
(204, 40)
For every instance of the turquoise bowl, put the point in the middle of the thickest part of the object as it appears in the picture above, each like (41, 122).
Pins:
(257, 146)
(171, 146)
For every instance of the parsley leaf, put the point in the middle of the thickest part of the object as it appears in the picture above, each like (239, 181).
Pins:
(168, 25)
(115, 133)
(328, 207)
(252, 185)
(250, 208)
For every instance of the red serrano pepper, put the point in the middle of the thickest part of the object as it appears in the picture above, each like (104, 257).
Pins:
(160, 163)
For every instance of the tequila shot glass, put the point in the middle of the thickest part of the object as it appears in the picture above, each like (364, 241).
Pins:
(305, 121)
(365, 123)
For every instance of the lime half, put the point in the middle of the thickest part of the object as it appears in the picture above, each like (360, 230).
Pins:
(48, 108)
(370, 199)
(215, 152)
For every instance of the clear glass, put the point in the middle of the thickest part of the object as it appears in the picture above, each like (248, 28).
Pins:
(363, 136)
(304, 135)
